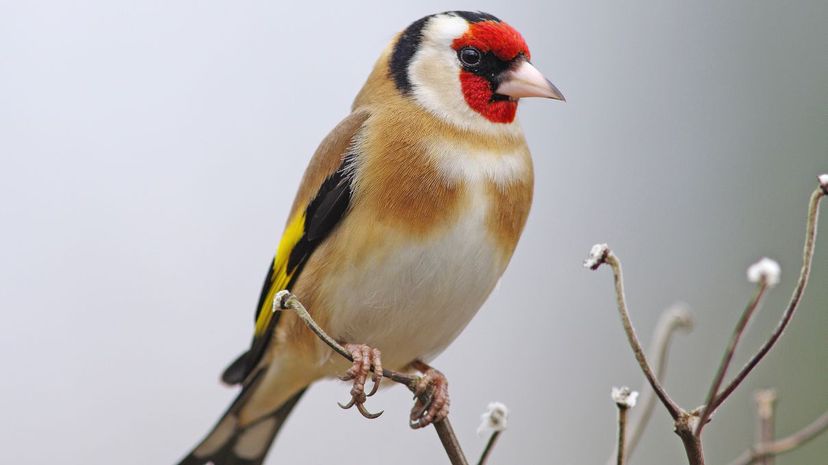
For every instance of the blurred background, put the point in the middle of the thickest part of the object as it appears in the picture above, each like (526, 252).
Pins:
(150, 152)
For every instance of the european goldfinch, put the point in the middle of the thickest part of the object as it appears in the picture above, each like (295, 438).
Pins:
(406, 217)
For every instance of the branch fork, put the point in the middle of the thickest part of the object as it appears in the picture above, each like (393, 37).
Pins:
(689, 424)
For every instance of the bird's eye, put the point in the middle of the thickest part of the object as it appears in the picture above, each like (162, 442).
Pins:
(469, 56)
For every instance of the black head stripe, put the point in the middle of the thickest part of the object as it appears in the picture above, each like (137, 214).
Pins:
(409, 42)
(404, 51)
(474, 16)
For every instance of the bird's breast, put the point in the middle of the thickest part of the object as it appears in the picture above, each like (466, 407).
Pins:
(413, 294)
(421, 262)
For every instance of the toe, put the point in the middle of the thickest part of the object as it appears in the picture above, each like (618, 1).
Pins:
(432, 403)
(438, 410)
(376, 359)
(364, 358)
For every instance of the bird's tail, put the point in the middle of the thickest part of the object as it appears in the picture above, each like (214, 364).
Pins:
(231, 444)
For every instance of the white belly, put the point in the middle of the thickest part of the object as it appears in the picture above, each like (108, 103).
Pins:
(412, 301)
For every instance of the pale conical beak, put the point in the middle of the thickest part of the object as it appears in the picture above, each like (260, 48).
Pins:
(526, 81)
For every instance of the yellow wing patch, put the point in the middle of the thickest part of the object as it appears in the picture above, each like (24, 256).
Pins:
(281, 277)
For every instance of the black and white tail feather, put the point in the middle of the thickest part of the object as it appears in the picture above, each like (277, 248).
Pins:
(231, 444)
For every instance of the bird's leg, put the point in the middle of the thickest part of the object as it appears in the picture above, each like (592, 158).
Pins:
(431, 392)
(364, 359)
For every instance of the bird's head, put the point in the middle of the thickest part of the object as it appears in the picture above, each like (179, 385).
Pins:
(469, 68)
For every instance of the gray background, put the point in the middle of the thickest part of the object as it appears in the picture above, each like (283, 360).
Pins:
(150, 153)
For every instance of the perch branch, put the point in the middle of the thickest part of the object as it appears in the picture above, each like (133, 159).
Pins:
(284, 300)
(807, 258)
(760, 451)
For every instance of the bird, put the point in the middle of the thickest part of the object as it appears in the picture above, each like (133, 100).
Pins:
(405, 219)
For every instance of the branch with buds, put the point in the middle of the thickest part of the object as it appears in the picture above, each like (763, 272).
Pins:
(689, 424)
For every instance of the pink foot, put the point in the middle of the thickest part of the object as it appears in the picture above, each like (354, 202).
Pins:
(364, 358)
(435, 408)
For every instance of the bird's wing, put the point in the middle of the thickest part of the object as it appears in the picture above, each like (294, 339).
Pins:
(321, 203)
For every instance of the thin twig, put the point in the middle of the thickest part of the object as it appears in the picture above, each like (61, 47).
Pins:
(622, 429)
(285, 300)
(807, 258)
(489, 447)
(624, 399)
(765, 408)
(671, 320)
(609, 258)
(741, 325)
(780, 446)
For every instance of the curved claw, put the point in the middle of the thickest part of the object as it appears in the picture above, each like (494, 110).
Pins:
(418, 412)
(376, 380)
(365, 413)
(376, 377)
(374, 389)
(348, 405)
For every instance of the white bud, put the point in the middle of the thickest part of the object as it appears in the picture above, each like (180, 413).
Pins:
(494, 419)
(597, 255)
(624, 397)
(764, 271)
(823, 182)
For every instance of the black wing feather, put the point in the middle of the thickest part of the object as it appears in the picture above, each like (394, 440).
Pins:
(322, 215)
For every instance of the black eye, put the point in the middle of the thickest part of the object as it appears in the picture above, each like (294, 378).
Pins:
(469, 56)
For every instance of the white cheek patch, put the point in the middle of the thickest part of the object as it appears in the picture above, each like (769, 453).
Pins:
(435, 82)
